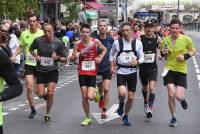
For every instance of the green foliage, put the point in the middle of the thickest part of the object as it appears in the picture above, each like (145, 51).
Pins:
(13, 9)
(72, 9)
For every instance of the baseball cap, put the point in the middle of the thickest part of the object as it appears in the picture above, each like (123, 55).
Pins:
(149, 23)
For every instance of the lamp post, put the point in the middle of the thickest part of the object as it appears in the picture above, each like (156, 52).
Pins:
(178, 8)
(56, 10)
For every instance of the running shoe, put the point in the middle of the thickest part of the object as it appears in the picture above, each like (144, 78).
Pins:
(184, 104)
(47, 119)
(86, 121)
(32, 115)
(149, 113)
(125, 121)
(173, 122)
(103, 114)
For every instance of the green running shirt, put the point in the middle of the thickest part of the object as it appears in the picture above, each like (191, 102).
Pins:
(26, 39)
(182, 46)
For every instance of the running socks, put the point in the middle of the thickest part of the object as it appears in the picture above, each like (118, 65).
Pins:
(145, 94)
(33, 109)
(151, 99)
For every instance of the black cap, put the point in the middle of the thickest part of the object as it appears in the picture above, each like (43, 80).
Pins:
(149, 23)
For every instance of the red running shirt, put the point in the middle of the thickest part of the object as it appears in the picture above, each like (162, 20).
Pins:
(87, 64)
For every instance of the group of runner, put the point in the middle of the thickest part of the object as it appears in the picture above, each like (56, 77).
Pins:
(124, 57)
(101, 57)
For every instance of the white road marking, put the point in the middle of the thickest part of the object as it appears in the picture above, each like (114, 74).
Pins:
(198, 77)
(197, 71)
(21, 105)
(69, 81)
(111, 115)
(36, 97)
(13, 109)
(199, 85)
(196, 66)
(5, 113)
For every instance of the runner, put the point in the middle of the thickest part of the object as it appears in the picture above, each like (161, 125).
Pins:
(129, 53)
(26, 40)
(50, 51)
(178, 48)
(104, 74)
(7, 74)
(86, 51)
(148, 69)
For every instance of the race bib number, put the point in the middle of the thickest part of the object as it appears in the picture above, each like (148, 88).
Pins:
(45, 61)
(149, 58)
(31, 59)
(99, 79)
(88, 65)
(126, 58)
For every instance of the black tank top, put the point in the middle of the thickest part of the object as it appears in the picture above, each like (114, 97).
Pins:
(150, 46)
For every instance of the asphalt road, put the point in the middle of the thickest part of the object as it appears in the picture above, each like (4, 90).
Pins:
(67, 112)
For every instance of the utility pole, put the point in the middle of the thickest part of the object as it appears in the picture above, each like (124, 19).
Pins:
(117, 13)
(56, 12)
(178, 8)
(41, 11)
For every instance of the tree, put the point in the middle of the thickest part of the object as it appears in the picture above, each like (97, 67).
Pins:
(72, 8)
(14, 9)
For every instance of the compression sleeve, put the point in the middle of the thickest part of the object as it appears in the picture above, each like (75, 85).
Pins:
(7, 72)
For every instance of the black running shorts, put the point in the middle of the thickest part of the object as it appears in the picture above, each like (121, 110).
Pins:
(176, 78)
(29, 70)
(105, 75)
(129, 80)
(87, 80)
(46, 77)
(148, 75)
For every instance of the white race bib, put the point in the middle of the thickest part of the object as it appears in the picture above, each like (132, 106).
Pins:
(88, 65)
(31, 58)
(126, 58)
(99, 79)
(149, 58)
(45, 61)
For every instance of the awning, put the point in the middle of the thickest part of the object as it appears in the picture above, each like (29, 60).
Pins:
(91, 14)
(97, 6)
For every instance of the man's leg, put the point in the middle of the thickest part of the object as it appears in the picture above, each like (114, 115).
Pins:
(106, 88)
(151, 98)
(50, 96)
(172, 104)
(85, 102)
(129, 103)
(30, 84)
(121, 97)
(145, 96)
(180, 96)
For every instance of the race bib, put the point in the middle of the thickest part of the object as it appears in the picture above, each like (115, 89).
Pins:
(126, 58)
(88, 65)
(149, 58)
(45, 61)
(99, 79)
(31, 59)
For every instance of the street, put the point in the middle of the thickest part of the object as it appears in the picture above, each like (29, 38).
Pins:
(67, 111)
